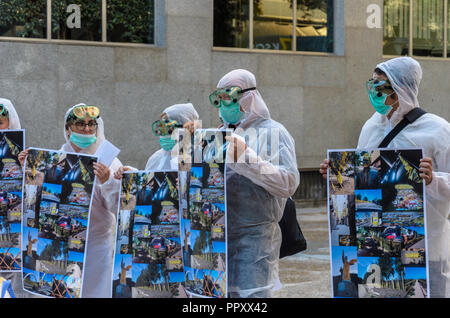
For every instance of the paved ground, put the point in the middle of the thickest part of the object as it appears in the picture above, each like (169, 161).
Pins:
(307, 274)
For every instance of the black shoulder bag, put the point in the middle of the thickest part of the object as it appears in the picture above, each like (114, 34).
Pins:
(293, 241)
(409, 118)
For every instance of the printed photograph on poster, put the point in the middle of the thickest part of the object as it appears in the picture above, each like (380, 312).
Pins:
(342, 220)
(203, 226)
(11, 144)
(148, 259)
(58, 190)
(342, 172)
(401, 185)
(344, 271)
(388, 220)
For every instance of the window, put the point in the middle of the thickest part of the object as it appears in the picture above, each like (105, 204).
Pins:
(22, 18)
(416, 27)
(130, 21)
(286, 25)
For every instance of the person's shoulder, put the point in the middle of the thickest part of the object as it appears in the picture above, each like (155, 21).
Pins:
(271, 124)
(436, 119)
(432, 123)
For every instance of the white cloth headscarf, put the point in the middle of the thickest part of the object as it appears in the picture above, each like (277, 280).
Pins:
(92, 148)
(14, 121)
(252, 101)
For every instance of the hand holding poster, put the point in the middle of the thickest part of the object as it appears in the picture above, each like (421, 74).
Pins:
(11, 144)
(376, 206)
(58, 190)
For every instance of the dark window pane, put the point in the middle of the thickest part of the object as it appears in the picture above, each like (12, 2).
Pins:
(314, 29)
(23, 18)
(131, 21)
(396, 27)
(77, 20)
(272, 24)
(231, 24)
(428, 28)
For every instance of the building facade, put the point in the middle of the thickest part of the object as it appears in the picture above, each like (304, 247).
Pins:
(317, 93)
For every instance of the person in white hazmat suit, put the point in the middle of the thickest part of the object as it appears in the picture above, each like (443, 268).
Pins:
(10, 120)
(430, 132)
(257, 188)
(84, 133)
(166, 158)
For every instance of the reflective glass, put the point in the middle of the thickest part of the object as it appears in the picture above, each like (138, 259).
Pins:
(131, 21)
(314, 29)
(77, 20)
(23, 18)
(428, 28)
(231, 23)
(272, 24)
(396, 27)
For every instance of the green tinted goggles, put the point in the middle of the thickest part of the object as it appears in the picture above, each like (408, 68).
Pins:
(165, 127)
(227, 96)
(378, 88)
(3, 111)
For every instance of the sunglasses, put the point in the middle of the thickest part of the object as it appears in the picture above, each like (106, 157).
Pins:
(228, 95)
(165, 127)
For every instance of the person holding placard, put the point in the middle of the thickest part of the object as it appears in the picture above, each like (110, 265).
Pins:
(400, 123)
(84, 133)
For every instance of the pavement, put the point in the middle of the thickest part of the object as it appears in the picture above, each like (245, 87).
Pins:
(307, 274)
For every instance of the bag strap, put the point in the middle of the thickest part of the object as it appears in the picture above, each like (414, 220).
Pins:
(409, 118)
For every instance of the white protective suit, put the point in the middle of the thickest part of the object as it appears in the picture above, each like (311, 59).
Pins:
(255, 200)
(168, 160)
(99, 249)
(16, 278)
(432, 133)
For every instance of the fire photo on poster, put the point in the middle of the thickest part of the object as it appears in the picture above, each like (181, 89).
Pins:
(58, 189)
(148, 259)
(387, 255)
(11, 144)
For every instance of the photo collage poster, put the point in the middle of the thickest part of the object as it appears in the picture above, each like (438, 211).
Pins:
(57, 195)
(203, 212)
(376, 208)
(11, 144)
(148, 258)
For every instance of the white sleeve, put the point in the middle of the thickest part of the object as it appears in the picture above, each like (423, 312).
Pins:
(111, 188)
(439, 187)
(278, 180)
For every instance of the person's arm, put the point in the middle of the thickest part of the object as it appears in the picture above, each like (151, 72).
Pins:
(439, 187)
(280, 179)
(110, 189)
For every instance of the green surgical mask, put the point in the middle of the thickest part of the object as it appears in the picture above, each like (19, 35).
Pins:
(379, 105)
(166, 143)
(82, 141)
(231, 113)
(378, 90)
